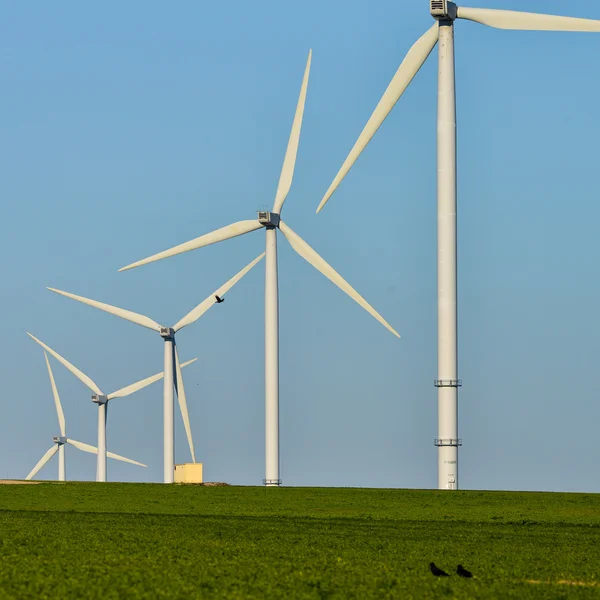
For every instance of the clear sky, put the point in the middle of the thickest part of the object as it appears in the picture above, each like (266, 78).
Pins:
(128, 128)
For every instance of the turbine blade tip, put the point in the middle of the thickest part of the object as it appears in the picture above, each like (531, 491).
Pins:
(324, 201)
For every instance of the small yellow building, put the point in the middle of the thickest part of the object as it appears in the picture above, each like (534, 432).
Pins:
(188, 473)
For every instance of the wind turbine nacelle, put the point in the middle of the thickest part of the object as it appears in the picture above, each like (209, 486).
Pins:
(59, 439)
(443, 10)
(99, 399)
(167, 333)
(268, 219)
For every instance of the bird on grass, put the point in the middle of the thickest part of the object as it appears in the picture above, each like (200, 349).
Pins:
(219, 300)
(462, 572)
(437, 571)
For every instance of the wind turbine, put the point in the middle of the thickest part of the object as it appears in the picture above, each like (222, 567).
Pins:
(171, 358)
(445, 13)
(62, 439)
(271, 221)
(101, 400)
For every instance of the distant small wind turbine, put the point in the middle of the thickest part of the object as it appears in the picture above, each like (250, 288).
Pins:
(62, 439)
(171, 358)
(102, 401)
(271, 222)
(445, 13)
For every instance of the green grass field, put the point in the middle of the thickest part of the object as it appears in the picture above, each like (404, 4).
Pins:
(88, 540)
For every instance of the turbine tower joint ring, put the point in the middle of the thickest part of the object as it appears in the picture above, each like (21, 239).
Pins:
(447, 383)
(447, 442)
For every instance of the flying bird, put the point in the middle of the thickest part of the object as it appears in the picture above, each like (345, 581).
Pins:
(463, 572)
(437, 571)
(219, 300)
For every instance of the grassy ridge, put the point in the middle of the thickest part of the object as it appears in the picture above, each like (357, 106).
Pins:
(152, 541)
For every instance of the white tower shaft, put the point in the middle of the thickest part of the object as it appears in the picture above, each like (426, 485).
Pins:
(447, 382)
(62, 474)
(168, 414)
(101, 468)
(271, 361)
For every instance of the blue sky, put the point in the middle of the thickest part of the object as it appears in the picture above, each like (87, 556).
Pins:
(129, 128)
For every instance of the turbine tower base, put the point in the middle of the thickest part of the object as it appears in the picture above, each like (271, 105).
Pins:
(272, 482)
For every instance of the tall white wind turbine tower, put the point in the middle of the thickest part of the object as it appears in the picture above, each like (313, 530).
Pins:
(271, 222)
(173, 376)
(62, 439)
(101, 400)
(445, 13)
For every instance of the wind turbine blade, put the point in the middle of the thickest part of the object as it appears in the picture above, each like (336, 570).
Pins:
(289, 162)
(230, 231)
(128, 315)
(197, 312)
(308, 254)
(94, 450)
(410, 66)
(134, 387)
(49, 454)
(82, 446)
(510, 19)
(189, 362)
(81, 376)
(123, 459)
(183, 402)
(59, 409)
